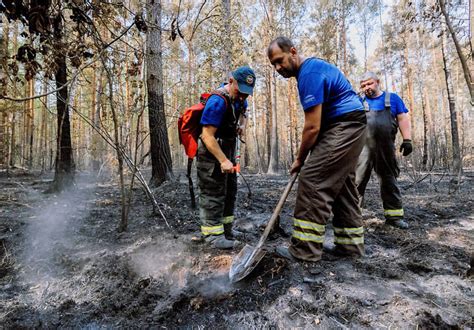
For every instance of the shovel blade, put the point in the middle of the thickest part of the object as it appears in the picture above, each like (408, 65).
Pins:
(244, 262)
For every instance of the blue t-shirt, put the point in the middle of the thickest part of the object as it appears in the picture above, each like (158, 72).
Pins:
(396, 104)
(321, 82)
(215, 109)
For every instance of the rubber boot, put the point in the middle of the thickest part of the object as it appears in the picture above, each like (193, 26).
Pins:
(220, 242)
(283, 252)
(397, 223)
(231, 233)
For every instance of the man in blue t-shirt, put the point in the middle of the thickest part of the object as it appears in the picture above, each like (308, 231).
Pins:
(385, 113)
(222, 121)
(333, 136)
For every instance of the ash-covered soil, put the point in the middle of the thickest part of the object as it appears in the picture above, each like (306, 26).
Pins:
(63, 263)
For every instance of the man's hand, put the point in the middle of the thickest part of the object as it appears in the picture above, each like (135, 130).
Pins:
(406, 147)
(296, 166)
(241, 130)
(227, 166)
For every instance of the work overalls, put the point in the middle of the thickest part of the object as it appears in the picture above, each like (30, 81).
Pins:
(379, 154)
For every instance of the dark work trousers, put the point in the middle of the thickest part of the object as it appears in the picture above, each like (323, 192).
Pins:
(379, 154)
(218, 190)
(327, 184)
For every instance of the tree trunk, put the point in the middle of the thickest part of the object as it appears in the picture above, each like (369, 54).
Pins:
(159, 145)
(227, 61)
(30, 127)
(411, 98)
(457, 162)
(273, 165)
(44, 126)
(426, 136)
(255, 134)
(462, 58)
(382, 40)
(3, 91)
(64, 169)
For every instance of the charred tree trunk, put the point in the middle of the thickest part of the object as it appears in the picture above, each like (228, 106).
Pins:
(159, 145)
(64, 169)
(30, 123)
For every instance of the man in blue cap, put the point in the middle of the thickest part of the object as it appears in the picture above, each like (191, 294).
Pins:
(222, 121)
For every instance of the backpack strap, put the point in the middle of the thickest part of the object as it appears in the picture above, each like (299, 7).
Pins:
(223, 93)
(190, 183)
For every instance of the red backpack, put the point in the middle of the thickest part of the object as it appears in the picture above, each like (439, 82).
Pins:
(189, 124)
(189, 130)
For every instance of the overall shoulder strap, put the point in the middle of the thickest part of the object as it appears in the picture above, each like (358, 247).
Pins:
(387, 100)
(365, 104)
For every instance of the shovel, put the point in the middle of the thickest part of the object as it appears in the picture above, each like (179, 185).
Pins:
(249, 257)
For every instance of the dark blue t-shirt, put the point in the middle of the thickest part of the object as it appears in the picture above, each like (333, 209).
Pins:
(396, 104)
(321, 82)
(215, 109)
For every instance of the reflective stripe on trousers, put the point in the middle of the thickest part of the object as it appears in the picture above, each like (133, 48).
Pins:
(349, 236)
(212, 230)
(393, 213)
(228, 219)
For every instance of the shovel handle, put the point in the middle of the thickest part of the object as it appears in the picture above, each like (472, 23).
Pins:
(236, 168)
(276, 212)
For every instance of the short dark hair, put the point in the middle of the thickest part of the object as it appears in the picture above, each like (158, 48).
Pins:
(284, 43)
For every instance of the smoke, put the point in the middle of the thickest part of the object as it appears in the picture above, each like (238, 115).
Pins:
(170, 260)
(51, 232)
(165, 259)
(215, 286)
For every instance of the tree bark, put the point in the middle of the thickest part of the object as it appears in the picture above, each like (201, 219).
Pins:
(44, 126)
(3, 91)
(457, 162)
(64, 169)
(273, 164)
(227, 62)
(462, 57)
(411, 98)
(159, 144)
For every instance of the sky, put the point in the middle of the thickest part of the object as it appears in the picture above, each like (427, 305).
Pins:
(375, 36)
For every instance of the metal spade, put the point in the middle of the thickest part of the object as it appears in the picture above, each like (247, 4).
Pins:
(249, 257)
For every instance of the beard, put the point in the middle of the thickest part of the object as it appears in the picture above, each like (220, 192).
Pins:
(290, 71)
(285, 73)
(369, 92)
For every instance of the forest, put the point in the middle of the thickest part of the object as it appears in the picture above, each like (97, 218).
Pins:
(96, 217)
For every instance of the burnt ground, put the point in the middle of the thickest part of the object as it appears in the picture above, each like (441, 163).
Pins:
(63, 264)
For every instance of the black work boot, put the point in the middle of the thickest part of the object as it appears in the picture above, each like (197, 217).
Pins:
(397, 223)
(231, 233)
(283, 251)
(221, 242)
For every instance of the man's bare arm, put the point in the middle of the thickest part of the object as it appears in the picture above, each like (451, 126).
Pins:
(405, 125)
(208, 136)
(311, 128)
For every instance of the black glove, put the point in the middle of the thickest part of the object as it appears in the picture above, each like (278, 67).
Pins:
(406, 147)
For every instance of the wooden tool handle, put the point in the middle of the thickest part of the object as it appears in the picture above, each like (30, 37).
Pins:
(277, 210)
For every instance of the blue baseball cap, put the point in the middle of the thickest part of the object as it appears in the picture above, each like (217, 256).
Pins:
(245, 79)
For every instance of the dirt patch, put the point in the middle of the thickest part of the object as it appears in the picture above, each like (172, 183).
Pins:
(63, 264)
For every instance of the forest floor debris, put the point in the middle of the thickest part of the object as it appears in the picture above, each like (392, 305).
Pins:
(63, 264)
